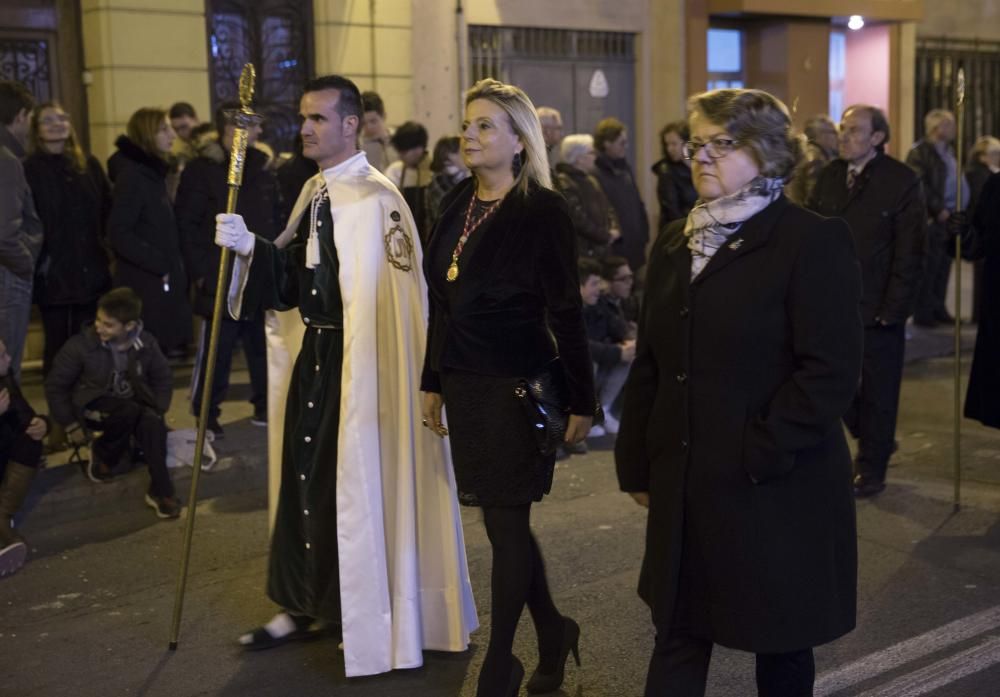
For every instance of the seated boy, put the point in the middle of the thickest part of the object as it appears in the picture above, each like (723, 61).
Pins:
(112, 377)
(610, 348)
(21, 433)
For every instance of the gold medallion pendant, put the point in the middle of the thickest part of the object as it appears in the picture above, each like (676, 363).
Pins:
(452, 275)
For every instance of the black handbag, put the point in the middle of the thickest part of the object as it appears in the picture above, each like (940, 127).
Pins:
(545, 400)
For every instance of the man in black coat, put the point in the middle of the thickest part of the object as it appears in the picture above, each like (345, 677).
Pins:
(881, 200)
(982, 401)
(933, 158)
(201, 196)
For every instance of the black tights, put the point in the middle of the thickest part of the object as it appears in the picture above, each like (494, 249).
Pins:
(518, 578)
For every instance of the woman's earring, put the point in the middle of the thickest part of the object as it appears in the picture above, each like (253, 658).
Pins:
(516, 165)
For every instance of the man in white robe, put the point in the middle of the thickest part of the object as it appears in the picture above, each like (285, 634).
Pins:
(367, 535)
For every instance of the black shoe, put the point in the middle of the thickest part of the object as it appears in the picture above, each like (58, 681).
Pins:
(550, 682)
(259, 639)
(259, 419)
(165, 506)
(866, 486)
(511, 689)
(215, 427)
(96, 471)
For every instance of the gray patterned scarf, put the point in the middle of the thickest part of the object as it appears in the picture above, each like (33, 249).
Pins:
(710, 223)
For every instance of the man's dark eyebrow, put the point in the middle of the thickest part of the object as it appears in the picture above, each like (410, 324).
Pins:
(312, 117)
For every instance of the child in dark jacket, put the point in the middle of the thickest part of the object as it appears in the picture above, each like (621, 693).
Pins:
(21, 433)
(113, 378)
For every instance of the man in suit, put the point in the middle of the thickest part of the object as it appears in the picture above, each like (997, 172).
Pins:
(20, 226)
(882, 201)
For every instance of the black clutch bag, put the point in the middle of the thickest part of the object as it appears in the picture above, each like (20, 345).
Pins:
(545, 401)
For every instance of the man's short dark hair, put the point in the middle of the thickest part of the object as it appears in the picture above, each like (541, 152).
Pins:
(122, 304)
(587, 267)
(373, 102)
(349, 97)
(880, 124)
(14, 98)
(610, 266)
(220, 115)
(607, 131)
(408, 136)
(181, 109)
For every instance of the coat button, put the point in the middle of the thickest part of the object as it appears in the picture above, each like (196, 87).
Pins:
(311, 405)
(309, 439)
(684, 446)
(308, 546)
(314, 291)
(685, 312)
(306, 320)
(302, 477)
(682, 377)
(305, 511)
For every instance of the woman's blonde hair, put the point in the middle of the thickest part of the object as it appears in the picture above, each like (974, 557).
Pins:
(983, 146)
(71, 151)
(142, 129)
(524, 122)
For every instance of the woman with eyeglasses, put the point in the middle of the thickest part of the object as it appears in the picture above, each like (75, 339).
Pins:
(748, 354)
(73, 198)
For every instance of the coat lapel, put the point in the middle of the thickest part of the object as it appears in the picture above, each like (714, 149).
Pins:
(751, 236)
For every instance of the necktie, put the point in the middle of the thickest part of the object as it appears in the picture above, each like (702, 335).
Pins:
(852, 177)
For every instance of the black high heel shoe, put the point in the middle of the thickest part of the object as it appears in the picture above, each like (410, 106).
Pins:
(513, 685)
(550, 682)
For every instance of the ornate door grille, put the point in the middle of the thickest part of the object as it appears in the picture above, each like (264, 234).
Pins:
(938, 61)
(274, 35)
(27, 60)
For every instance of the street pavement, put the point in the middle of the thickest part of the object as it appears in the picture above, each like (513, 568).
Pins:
(89, 615)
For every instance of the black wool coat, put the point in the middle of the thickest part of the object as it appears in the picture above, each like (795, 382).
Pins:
(731, 422)
(147, 245)
(982, 401)
(885, 211)
(202, 194)
(73, 268)
(674, 190)
(519, 291)
(618, 183)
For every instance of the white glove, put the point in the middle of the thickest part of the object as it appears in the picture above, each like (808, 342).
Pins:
(231, 232)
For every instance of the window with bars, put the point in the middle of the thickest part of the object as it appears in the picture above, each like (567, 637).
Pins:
(725, 58)
(27, 60)
(274, 35)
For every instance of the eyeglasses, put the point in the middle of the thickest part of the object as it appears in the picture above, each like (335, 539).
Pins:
(54, 119)
(715, 148)
(622, 279)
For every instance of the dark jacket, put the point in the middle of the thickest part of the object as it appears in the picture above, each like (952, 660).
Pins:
(73, 268)
(674, 190)
(886, 213)
(440, 185)
(982, 401)
(15, 420)
(976, 174)
(731, 422)
(147, 245)
(588, 209)
(618, 185)
(20, 228)
(519, 290)
(202, 194)
(83, 370)
(924, 158)
(606, 329)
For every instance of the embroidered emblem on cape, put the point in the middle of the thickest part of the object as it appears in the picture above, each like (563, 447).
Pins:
(399, 248)
(736, 244)
(395, 216)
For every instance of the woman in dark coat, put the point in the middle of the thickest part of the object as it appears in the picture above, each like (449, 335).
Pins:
(618, 183)
(982, 401)
(73, 198)
(984, 162)
(143, 230)
(748, 355)
(674, 188)
(501, 274)
(592, 215)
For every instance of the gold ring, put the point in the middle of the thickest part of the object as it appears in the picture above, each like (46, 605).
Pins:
(425, 422)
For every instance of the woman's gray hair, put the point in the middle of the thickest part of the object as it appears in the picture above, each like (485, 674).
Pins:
(759, 121)
(575, 145)
(524, 123)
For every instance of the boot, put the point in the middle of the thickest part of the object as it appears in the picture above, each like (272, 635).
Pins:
(16, 482)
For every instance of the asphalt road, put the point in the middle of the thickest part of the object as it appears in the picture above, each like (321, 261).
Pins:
(90, 613)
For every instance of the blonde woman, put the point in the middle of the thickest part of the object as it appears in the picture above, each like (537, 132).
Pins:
(501, 272)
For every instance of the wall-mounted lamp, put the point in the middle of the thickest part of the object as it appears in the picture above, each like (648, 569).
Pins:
(855, 22)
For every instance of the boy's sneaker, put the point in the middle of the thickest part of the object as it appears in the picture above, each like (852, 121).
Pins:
(259, 419)
(96, 471)
(165, 506)
(596, 432)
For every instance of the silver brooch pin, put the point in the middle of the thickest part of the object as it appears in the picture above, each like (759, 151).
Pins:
(736, 244)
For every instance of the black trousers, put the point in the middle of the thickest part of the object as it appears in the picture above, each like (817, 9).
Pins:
(123, 419)
(937, 267)
(679, 668)
(21, 449)
(250, 333)
(60, 322)
(871, 417)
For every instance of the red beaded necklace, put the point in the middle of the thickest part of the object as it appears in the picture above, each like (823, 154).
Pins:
(467, 229)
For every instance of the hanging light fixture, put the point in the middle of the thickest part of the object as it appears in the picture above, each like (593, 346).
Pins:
(855, 22)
